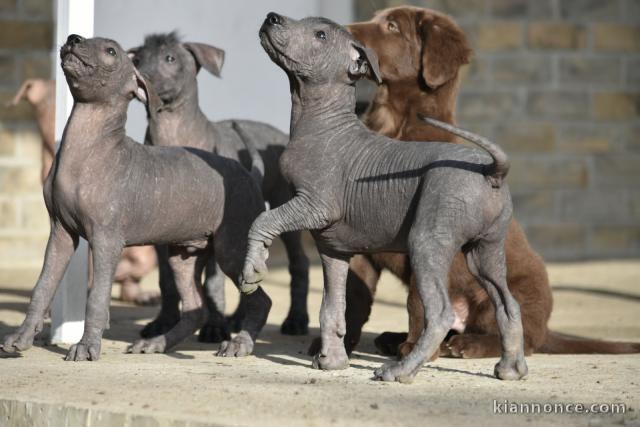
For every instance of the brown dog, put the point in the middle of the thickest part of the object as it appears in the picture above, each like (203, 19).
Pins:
(137, 261)
(421, 52)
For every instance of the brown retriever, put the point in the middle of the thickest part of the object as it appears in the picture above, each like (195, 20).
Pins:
(421, 52)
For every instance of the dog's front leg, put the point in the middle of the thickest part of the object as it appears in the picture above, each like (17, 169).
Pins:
(60, 248)
(333, 328)
(299, 213)
(106, 253)
(187, 269)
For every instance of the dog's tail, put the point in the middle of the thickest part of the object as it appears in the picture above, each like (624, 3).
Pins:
(557, 343)
(257, 164)
(500, 167)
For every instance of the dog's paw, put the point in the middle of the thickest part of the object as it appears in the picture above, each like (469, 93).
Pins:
(159, 326)
(240, 345)
(20, 340)
(335, 359)
(83, 351)
(214, 332)
(395, 371)
(470, 346)
(295, 324)
(149, 346)
(255, 265)
(511, 370)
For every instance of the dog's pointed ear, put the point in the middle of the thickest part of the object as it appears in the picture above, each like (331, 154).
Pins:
(444, 49)
(208, 57)
(364, 62)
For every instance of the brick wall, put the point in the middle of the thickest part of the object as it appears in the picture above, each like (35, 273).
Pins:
(557, 83)
(26, 34)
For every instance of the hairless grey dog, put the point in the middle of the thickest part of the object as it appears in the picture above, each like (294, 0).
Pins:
(359, 191)
(116, 193)
(171, 66)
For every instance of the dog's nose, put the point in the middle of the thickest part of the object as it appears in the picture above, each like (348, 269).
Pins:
(74, 39)
(274, 19)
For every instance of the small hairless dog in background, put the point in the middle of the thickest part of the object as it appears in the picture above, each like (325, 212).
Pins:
(171, 66)
(361, 192)
(115, 193)
(136, 261)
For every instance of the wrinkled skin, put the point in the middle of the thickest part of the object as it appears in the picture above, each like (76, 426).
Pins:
(136, 262)
(115, 193)
(171, 67)
(361, 192)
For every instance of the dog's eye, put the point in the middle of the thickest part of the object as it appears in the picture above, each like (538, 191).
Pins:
(170, 58)
(111, 51)
(321, 35)
(392, 26)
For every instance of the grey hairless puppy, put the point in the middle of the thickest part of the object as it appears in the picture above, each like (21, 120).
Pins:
(116, 193)
(359, 191)
(171, 66)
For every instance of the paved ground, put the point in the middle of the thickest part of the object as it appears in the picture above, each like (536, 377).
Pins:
(276, 386)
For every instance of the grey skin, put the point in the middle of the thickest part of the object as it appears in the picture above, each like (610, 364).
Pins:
(171, 66)
(116, 193)
(361, 192)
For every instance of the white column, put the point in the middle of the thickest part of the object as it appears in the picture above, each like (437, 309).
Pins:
(68, 308)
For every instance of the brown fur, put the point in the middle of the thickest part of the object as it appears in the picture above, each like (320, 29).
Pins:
(420, 53)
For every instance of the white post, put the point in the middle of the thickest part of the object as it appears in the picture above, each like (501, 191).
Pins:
(68, 308)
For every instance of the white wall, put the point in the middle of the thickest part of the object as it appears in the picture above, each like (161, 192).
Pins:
(252, 87)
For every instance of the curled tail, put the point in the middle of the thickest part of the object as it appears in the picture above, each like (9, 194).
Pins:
(257, 164)
(500, 167)
(557, 343)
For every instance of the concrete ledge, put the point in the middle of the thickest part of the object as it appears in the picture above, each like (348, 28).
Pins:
(36, 414)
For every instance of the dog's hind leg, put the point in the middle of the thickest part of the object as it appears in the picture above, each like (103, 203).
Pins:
(60, 248)
(486, 261)
(170, 307)
(216, 328)
(187, 268)
(431, 266)
(433, 241)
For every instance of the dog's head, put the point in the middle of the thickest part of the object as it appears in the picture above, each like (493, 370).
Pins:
(171, 66)
(99, 71)
(414, 42)
(317, 50)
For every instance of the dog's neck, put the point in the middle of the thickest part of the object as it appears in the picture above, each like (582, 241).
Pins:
(167, 126)
(92, 129)
(316, 109)
(396, 105)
